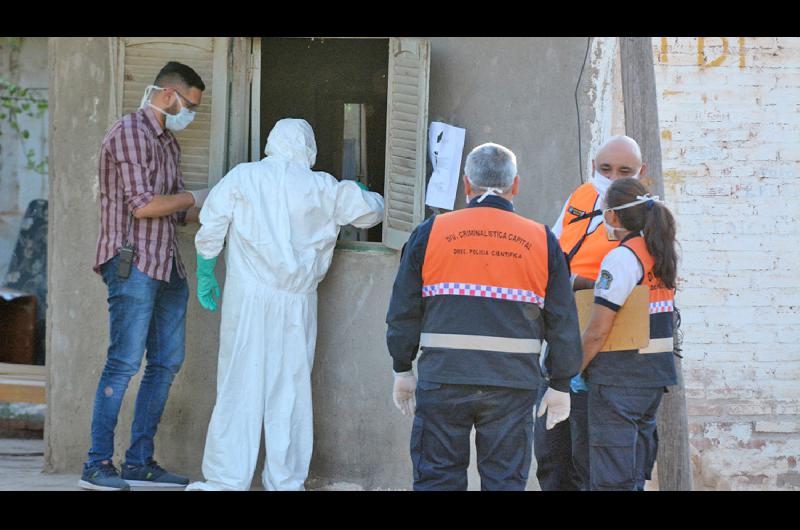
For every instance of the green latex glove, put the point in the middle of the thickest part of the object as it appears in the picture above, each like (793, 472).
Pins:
(362, 185)
(207, 286)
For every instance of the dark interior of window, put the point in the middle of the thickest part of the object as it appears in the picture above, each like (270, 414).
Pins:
(338, 86)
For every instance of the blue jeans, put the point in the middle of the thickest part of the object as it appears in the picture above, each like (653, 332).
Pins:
(445, 415)
(143, 314)
(562, 453)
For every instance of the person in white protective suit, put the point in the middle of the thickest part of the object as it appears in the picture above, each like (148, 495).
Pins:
(282, 220)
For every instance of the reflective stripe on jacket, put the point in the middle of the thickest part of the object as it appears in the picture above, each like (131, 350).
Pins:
(478, 289)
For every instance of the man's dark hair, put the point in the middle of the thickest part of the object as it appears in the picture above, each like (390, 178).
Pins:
(175, 72)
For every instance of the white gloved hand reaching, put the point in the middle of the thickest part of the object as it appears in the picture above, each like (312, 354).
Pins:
(556, 404)
(403, 393)
(199, 196)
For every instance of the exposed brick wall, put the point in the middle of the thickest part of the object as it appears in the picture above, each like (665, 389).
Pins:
(730, 130)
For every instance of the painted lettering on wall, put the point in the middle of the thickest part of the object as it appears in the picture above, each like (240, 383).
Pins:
(704, 61)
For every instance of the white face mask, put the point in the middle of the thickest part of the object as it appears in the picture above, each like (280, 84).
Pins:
(648, 199)
(601, 182)
(610, 230)
(174, 122)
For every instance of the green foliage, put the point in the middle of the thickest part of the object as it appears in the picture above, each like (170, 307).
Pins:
(16, 101)
(13, 42)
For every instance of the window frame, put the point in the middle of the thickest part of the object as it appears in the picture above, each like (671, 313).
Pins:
(218, 47)
(392, 237)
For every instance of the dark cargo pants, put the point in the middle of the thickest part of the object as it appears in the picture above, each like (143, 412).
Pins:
(623, 442)
(562, 453)
(440, 437)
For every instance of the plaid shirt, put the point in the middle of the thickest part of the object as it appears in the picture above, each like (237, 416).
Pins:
(139, 160)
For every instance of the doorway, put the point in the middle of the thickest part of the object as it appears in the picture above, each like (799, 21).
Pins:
(339, 86)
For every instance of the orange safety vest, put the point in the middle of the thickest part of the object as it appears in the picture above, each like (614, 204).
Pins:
(662, 299)
(629, 367)
(486, 252)
(484, 280)
(591, 247)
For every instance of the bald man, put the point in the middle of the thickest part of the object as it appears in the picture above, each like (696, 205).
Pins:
(562, 453)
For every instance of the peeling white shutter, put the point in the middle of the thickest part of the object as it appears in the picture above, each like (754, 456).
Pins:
(406, 138)
(203, 142)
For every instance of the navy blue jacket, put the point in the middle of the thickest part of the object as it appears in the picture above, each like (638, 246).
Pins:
(557, 323)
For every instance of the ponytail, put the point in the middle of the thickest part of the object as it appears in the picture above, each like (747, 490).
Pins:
(654, 220)
(659, 234)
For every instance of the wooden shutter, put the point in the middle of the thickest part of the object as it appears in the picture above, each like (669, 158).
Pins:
(406, 138)
(203, 142)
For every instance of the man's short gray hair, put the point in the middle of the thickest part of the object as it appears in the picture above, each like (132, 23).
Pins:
(491, 166)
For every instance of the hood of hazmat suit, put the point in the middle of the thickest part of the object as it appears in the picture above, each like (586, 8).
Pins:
(281, 220)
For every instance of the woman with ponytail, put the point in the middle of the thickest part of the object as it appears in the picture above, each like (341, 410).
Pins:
(626, 387)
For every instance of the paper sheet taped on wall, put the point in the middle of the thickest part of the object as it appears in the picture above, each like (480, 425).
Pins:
(445, 148)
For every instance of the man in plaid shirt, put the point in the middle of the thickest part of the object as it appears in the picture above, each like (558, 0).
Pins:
(142, 199)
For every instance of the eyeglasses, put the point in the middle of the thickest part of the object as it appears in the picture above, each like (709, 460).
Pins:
(190, 104)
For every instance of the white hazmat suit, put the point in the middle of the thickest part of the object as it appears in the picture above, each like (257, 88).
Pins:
(282, 220)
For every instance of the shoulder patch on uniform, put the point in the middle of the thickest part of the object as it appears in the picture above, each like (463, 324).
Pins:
(604, 281)
(576, 212)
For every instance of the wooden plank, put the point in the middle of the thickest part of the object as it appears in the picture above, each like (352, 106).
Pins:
(401, 188)
(405, 98)
(400, 162)
(397, 126)
(403, 178)
(404, 80)
(19, 390)
(408, 62)
(410, 110)
(641, 114)
(400, 215)
(410, 136)
(411, 154)
(404, 199)
(406, 71)
(407, 90)
(405, 119)
(23, 369)
(641, 124)
(398, 224)
(399, 143)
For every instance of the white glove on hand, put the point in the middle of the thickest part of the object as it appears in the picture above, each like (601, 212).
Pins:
(199, 196)
(556, 403)
(405, 386)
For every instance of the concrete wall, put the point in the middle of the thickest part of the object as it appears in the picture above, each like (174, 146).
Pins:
(24, 63)
(728, 108)
(519, 92)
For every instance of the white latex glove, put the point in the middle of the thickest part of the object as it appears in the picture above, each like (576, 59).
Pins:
(403, 393)
(556, 404)
(199, 196)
